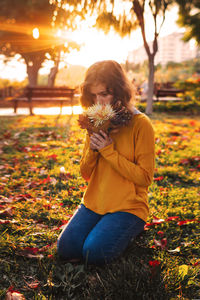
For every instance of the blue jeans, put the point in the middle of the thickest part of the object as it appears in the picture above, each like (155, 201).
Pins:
(97, 239)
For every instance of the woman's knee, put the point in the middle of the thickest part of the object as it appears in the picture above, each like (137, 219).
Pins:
(68, 245)
(94, 253)
(62, 246)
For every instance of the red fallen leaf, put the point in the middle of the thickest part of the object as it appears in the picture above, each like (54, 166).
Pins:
(192, 123)
(14, 295)
(196, 158)
(4, 221)
(33, 285)
(31, 250)
(69, 175)
(34, 252)
(50, 256)
(32, 148)
(83, 187)
(185, 161)
(7, 221)
(23, 196)
(180, 223)
(158, 178)
(59, 227)
(157, 220)
(162, 243)
(171, 218)
(196, 263)
(154, 263)
(160, 233)
(47, 206)
(7, 135)
(147, 225)
(45, 248)
(7, 212)
(45, 180)
(53, 156)
(159, 152)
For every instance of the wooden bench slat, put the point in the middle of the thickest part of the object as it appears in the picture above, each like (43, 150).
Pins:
(31, 94)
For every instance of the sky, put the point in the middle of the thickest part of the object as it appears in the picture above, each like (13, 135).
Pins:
(96, 46)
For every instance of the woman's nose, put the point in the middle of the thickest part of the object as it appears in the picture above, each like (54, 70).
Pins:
(99, 99)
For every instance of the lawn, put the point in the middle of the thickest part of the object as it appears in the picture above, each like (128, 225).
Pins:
(41, 187)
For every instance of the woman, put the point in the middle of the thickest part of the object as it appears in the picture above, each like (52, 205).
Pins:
(118, 167)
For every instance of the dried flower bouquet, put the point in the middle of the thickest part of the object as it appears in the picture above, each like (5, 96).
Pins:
(105, 117)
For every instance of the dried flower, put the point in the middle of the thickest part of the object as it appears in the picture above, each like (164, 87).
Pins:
(99, 113)
(105, 117)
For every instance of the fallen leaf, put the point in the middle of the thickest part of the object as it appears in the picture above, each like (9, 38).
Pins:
(158, 178)
(178, 249)
(183, 270)
(12, 294)
(7, 221)
(160, 243)
(180, 223)
(171, 218)
(8, 212)
(33, 285)
(154, 263)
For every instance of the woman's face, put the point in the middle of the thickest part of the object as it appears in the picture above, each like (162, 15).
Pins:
(100, 94)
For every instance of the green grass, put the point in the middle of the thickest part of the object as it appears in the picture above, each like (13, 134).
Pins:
(35, 201)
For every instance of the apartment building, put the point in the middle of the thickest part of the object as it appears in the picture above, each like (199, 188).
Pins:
(170, 48)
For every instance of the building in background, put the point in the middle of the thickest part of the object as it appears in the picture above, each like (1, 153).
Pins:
(171, 48)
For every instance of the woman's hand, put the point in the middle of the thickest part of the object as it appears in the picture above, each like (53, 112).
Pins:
(99, 141)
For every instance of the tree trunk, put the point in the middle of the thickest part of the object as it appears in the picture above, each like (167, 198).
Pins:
(53, 72)
(52, 76)
(32, 75)
(149, 107)
(33, 64)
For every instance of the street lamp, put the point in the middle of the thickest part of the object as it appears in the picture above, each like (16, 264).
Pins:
(36, 33)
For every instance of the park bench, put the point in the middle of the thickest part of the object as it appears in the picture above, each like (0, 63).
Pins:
(43, 94)
(166, 90)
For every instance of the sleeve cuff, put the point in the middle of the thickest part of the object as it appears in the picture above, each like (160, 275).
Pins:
(107, 151)
(92, 154)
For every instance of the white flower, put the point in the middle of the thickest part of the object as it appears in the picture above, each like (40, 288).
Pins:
(62, 170)
(99, 113)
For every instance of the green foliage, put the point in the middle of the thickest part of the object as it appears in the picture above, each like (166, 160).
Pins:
(191, 88)
(188, 107)
(37, 200)
(189, 17)
(171, 72)
(19, 18)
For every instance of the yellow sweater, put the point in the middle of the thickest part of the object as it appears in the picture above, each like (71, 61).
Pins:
(120, 173)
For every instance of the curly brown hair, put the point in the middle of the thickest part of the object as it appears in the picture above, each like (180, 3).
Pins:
(110, 74)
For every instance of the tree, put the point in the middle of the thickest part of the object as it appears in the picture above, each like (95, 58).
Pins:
(189, 17)
(135, 16)
(132, 16)
(28, 29)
